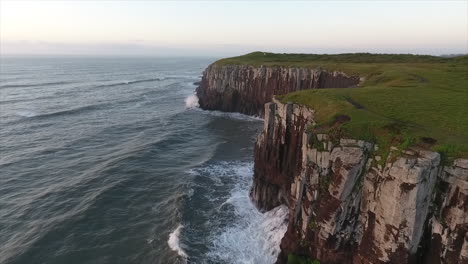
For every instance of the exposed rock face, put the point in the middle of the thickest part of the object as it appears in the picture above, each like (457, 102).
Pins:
(245, 89)
(395, 207)
(345, 207)
(278, 153)
(449, 238)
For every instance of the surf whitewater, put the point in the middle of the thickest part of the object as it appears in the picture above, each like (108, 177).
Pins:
(110, 160)
(238, 232)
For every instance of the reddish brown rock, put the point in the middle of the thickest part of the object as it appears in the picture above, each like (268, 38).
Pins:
(278, 153)
(246, 89)
(449, 233)
(344, 208)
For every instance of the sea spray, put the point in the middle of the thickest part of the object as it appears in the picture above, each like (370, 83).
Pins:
(174, 242)
(254, 238)
(239, 232)
(229, 115)
(191, 101)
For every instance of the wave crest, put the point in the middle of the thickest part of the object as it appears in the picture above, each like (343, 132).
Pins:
(131, 82)
(240, 233)
(174, 242)
(192, 101)
(31, 85)
(231, 115)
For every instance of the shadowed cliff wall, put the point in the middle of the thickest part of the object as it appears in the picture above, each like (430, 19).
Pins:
(348, 207)
(245, 89)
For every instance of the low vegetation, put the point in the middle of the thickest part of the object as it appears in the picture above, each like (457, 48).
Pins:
(404, 100)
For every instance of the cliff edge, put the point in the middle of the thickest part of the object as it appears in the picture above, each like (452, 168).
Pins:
(346, 207)
(374, 174)
(245, 89)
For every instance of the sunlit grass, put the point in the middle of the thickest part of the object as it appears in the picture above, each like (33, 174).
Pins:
(404, 98)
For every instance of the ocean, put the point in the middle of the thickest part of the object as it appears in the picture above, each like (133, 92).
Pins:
(108, 160)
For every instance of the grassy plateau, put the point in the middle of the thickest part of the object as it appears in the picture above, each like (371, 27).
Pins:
(405, 100)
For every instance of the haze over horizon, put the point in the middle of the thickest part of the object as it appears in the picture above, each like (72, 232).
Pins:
(201, 28)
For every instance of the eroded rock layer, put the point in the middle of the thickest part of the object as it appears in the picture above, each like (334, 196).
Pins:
(349, 206)
(449, 229)
(245, 89)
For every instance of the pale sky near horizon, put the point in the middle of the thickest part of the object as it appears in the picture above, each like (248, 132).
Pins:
(222, 28)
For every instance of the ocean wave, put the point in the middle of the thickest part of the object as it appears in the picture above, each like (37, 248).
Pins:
(174, 242)
(254, 237)
(26, 113)
(94, 155)
(21, 100)
(249, 236)
(131, 82)
(163, 78)
(31, 85)
(77, 110)
(188, 76)
(191, 101)
(230, 115)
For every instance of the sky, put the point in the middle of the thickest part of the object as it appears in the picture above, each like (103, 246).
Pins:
(225, 28)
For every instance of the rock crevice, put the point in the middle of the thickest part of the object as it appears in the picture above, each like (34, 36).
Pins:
(347, 208)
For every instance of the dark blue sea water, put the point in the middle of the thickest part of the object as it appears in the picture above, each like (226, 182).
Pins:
(106, 160)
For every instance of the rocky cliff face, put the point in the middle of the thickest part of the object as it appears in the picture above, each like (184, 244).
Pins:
(245, 89)
(348, 206)
(449, 229)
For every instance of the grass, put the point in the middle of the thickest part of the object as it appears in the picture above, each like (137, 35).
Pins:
(405, 100)
(312, 60)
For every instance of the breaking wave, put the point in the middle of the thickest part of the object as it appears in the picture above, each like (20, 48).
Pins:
(191, 101)
(249, 235)
(230, 115)
(174, 242)
(255, 238)
(96, 152)
(31, 85)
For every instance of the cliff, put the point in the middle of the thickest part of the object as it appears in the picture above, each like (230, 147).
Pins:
(370, 175)
(348, 205)
(245, 89)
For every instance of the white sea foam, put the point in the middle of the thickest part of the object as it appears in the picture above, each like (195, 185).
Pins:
(191, 101)
(234, 115)
(252, 236)
(174, 242)
(230, 115)
(255, 237)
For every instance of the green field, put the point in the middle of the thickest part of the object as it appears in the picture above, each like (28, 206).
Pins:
(405, 100)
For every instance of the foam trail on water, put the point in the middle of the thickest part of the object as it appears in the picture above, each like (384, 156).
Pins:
(252, 236)
(174, 242)
(230, 115)
(191, 101)
(255, 238)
